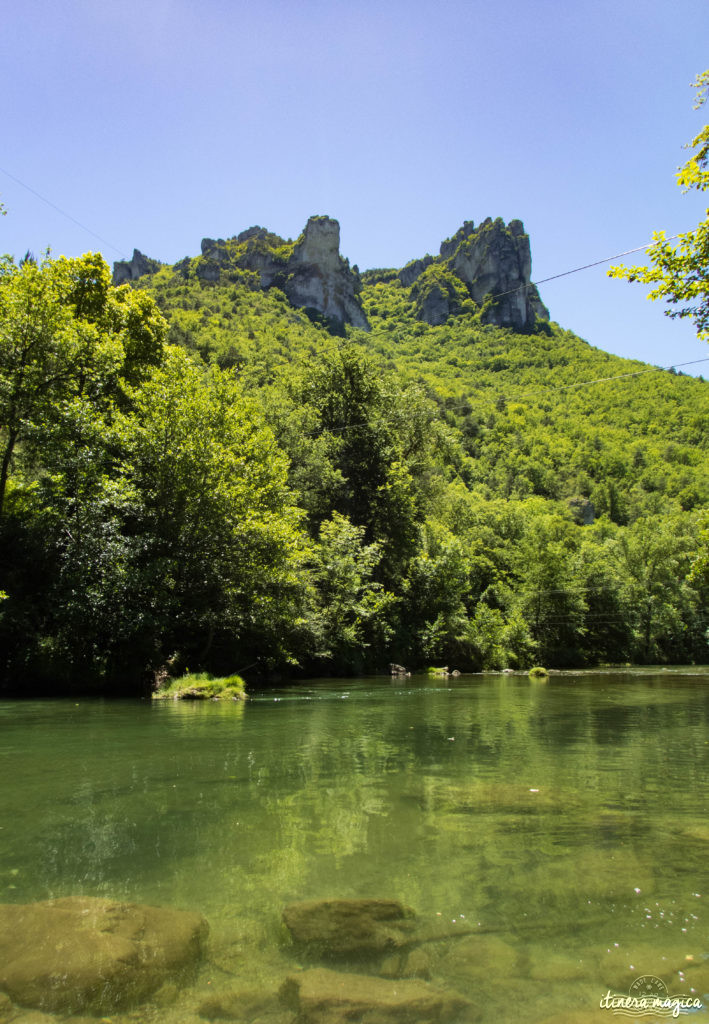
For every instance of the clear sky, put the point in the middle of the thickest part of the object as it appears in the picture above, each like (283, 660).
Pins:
(158, 122)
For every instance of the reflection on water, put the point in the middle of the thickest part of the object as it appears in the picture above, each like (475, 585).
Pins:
(566, 821)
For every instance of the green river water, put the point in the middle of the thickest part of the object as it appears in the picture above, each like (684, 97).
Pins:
(565, 821)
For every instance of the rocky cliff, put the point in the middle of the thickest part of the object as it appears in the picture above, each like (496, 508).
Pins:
(131, 270)
(490, 265)
(319, 278)
(486, 268)
(310, 271)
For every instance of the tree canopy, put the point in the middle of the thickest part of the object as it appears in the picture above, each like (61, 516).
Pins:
(197, 475)
(680, 272)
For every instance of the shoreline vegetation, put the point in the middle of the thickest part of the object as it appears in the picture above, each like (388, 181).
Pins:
(193, 472)
(202, 686)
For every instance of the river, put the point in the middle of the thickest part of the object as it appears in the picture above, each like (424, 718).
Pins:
(564, 823)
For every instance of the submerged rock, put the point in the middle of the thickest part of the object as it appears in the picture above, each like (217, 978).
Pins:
(7, 1011)
(503, 798)
(238, 1004)
(552, 967)
(341, 927)
(86, 954)
(621, 965)
(321, 996)
(481, 956)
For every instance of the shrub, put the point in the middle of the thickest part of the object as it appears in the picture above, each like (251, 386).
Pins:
(201, 686)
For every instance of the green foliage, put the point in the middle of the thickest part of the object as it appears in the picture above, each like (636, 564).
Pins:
(262, 494)
(680, 272)
(538, 672)
(202, 686)
(439, 283)
(66, 337)
(350, 608)
(216, 533)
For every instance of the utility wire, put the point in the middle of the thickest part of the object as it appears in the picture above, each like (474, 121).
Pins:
(497, 295)
(637, 373)
(468, 403)
(586, 266)
(64, 213)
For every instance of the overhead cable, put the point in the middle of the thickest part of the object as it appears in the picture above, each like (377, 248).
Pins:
(64, 213)
(586, 266)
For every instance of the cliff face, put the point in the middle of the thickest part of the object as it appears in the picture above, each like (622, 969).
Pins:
(493, 263)
(131, 270)
(487, 267)
(319, 278)
(311, 271)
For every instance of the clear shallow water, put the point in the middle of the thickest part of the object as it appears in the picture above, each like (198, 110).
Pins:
(566, 821)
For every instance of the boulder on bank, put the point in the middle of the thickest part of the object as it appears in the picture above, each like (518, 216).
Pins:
(342, 927)
(85, 954)
(321, 996)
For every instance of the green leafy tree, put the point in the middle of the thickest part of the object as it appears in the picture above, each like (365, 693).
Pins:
(351, 608)
(216, 547)
(680, 273)
(64, 333)
(654, 559)
(362, 445)
(551, 592)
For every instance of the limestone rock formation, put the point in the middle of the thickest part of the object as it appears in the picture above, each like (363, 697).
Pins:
(84, 954)
(413, 270)
(319, 278)
(321, 996)
(492, 264)
(486, 267)
(496, 260)
(131, 270)
(264, 254)
(438, 294)
(311, 272)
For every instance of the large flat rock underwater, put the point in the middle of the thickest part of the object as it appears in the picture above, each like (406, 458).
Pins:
(322, 996)
(83, 954)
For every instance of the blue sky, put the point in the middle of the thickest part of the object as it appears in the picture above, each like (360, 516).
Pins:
(157, 123)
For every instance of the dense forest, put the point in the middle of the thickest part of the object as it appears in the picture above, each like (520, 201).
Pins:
(197, 474)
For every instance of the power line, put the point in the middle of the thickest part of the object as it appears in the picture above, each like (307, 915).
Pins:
(636, 373)
(64, 213)
(468, 402)
(586, 266)
(597, 263)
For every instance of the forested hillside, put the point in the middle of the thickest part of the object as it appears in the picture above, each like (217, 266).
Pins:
(202, 472)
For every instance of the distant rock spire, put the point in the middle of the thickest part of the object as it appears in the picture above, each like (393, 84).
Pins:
(493, 263)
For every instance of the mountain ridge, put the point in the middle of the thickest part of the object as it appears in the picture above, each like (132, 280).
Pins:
(487, 268)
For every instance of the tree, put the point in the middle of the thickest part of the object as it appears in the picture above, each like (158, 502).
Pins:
(65, 333)
(362, 445)
(216, 550)
(680, 273)
(350, 608)
(652, 560)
